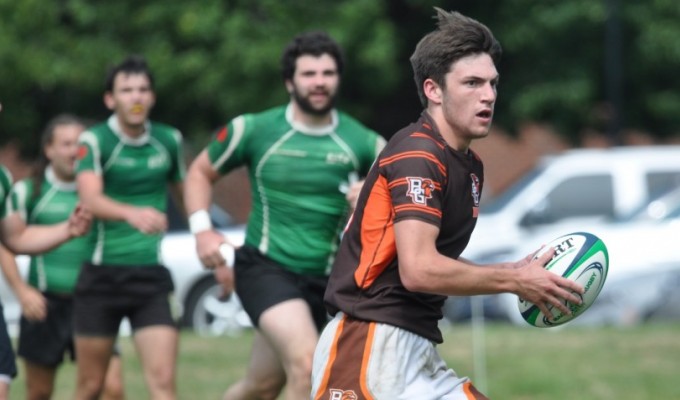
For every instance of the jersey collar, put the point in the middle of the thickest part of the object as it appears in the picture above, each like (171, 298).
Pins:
(52, 178)
(312, 130)
(125, 139)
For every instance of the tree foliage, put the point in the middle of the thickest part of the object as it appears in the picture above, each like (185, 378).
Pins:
(215, 59)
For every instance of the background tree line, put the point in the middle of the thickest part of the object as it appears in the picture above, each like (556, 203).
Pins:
(602, 65)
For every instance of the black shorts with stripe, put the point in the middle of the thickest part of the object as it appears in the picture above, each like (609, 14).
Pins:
(106, 294)
(262, 283)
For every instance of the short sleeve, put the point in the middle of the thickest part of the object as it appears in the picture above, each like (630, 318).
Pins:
(415, 176)
(227, 149)
(89, 153)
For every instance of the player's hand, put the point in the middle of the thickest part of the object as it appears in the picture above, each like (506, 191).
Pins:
(208, 249)
(148, 220)
(225, 277)
(544, 288)
(33, 303)
(353, 192)
(79, 221)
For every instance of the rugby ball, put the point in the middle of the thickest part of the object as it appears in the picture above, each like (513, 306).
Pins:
(581, 257)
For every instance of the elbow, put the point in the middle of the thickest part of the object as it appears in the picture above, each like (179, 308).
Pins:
(412, 276)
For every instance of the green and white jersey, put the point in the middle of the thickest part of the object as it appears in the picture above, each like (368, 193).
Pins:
(298, 176)
(5, 187)
(55, 271)
(135, 171)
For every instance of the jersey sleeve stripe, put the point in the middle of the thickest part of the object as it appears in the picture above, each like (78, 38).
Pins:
(414, 154)
(428, 137)
(410, 207)
(378, 246)
(404, 182)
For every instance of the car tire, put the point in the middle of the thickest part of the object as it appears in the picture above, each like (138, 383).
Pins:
(207, 315)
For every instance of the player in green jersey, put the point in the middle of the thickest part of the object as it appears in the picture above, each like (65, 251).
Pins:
(28, 239)
(48, 197)
(126, 166)
(303, 159)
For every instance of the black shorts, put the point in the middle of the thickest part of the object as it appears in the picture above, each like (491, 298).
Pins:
(8, 366)
(104, 295)
(46, 342)
(262, 283)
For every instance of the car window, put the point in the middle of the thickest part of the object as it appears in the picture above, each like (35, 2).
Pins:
(579, 196)
(498, 203)
(659, 182)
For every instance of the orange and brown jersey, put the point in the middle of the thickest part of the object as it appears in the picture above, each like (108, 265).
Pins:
(417, 176)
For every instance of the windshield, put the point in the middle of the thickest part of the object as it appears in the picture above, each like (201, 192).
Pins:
(666, 206)
(499, 202)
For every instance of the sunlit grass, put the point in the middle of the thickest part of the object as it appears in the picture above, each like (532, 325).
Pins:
(521, 363)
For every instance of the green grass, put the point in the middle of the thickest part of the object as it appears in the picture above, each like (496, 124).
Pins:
(522, 363)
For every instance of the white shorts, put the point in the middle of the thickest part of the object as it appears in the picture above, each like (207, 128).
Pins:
(357, 360)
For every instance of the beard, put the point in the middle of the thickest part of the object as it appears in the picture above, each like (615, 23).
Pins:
(306, 106)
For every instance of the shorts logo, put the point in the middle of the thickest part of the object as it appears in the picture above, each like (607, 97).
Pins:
(420, 189)
(337, 394)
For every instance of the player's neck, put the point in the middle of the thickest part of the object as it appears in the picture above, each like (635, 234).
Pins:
(309, 119)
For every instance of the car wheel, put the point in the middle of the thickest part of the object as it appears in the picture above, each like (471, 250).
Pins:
(207, 315)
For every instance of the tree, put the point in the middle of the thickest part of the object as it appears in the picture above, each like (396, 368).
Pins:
(215, 59)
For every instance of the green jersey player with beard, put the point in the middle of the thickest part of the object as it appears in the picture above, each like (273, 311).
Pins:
(303, 159)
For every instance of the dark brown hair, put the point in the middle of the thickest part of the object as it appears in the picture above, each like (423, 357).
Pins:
(456, 37)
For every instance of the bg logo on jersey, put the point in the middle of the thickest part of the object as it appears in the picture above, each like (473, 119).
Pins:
(420, 189)
(337, 394)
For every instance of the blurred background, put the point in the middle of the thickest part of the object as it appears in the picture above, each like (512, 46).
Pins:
(574, 74)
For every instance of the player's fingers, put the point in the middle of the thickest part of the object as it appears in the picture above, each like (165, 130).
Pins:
(544, 258)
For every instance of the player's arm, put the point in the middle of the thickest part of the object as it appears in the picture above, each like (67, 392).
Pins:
(197, 197)
(91, 191)
(23, 239)
(33, 303)
(423, 269)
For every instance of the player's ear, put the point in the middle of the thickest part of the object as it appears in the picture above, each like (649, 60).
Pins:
(432, 91)
(289, 86)
(109, 102)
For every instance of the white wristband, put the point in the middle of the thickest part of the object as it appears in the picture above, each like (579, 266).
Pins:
(199, 221)
(229, 254)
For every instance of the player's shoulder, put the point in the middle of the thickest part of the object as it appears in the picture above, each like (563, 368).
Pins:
(416, 137)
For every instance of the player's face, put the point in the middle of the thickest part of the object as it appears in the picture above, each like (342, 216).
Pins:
(469, 97)
(63, 149)
(131, 99)
(314, 84)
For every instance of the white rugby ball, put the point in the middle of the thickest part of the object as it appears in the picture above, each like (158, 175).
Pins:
(581, 257)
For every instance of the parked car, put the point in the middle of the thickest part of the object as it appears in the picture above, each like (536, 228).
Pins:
(644, 264)
(581, 186)
(585, 185)
(196, 292)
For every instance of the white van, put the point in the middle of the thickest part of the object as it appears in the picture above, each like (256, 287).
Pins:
(578, 184)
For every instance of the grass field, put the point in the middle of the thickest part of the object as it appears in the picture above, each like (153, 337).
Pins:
(521, 363)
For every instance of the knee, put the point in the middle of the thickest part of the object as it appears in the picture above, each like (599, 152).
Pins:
(113, 391)
(89, 388)
(300, 370)
(163, 378)
(265, 389)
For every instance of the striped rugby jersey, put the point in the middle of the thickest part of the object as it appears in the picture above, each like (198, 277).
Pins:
(417, 176)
